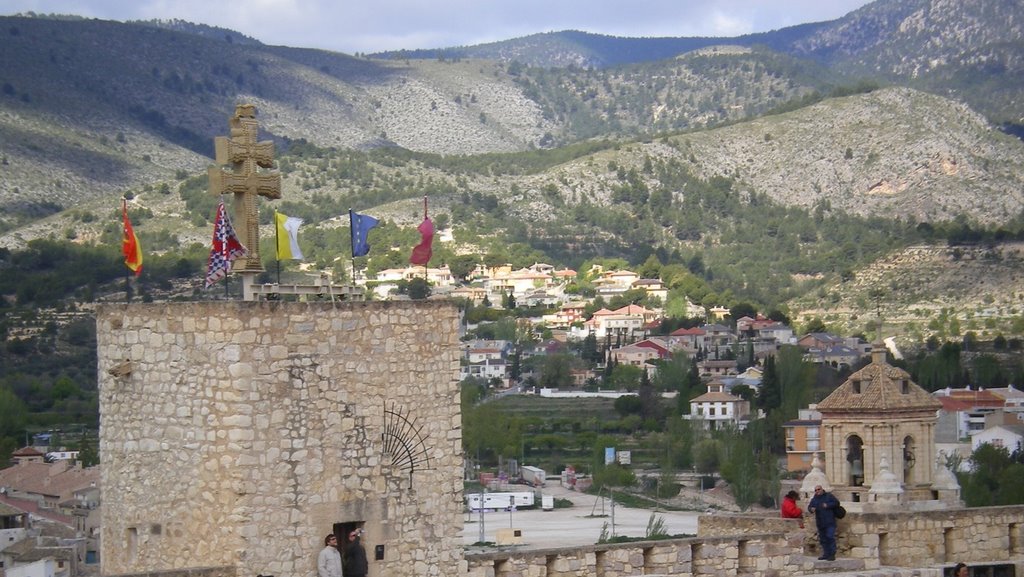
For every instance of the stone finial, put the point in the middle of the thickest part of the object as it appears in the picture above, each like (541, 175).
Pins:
(942, 478)
(885, 482)
(814, 478)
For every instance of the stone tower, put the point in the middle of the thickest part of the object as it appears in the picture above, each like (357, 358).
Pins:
(879, 413)
(239, 434)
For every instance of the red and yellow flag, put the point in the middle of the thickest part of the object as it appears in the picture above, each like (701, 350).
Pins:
(130, 244)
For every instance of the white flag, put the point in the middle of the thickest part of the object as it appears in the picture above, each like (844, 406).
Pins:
(288, 237)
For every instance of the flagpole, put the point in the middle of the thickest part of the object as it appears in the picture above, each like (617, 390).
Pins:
(127, 274)
(425, 281)
(277, 247)
(351, 239)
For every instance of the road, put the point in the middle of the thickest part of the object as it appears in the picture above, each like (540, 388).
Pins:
(579, 525)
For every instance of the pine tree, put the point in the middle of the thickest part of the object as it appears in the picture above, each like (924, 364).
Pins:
(770, 395)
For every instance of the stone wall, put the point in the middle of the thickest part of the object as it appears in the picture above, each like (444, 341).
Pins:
(752, 555)
(238, 434)
(921, 543)
(973, 535)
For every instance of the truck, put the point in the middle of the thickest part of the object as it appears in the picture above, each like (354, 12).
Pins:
(532, 476)
(547, 502)
(500, 501)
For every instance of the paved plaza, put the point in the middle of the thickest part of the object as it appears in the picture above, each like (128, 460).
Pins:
(579, 525)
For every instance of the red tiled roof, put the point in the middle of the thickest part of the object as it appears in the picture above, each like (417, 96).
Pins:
(687, 332)
(952, 404)
(28, 452)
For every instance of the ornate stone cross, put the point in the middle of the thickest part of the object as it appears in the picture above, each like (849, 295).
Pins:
(246, 157)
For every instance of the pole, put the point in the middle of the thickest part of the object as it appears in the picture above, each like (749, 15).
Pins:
(483, 499)
(277, 247)
(425, 281)
(351, 241)
(611, 495)
(127, 271)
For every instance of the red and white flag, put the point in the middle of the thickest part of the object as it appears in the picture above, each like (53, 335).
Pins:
(226, 247)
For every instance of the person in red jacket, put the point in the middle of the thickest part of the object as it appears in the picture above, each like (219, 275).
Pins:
(790, 510)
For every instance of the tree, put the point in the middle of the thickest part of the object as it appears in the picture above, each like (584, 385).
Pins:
(589, 351)
(462, 265)
(815, 325)
(671, 375)
(796, 378)
(741, 310)
(706, 456)
(981, 486)
(418, 288)
(626, 377)
(650, 409)
(741, 472)
(770, 395)
(651, 268)
(628, 405)
(12, 414)
(555, 371)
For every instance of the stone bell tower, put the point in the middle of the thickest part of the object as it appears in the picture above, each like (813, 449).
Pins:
(877, 423)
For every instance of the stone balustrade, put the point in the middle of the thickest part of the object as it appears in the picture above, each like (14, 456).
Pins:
(898, 543)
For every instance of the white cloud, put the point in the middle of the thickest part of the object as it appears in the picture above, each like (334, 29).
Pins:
(376, 25)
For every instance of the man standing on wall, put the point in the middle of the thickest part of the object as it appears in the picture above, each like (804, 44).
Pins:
(355, 555)
(824, 506)
(328, 563)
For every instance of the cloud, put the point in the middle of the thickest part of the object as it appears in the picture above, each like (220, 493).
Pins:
(378, 25)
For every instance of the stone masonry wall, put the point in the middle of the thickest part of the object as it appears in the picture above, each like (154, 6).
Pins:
(924, 544)
(238, 434)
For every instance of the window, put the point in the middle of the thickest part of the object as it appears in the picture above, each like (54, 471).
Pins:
(905, 387)
(812, 432)
(812, 444)
(856, 387)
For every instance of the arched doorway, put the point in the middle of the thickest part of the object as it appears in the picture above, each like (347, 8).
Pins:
(855, 460)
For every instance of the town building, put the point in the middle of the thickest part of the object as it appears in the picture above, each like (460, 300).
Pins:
(717, 409)
(803, 439)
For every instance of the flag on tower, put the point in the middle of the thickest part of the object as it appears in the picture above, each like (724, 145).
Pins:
(130, 243)
(226, 247)
(360, 225)
(422, 252)
(288, 237)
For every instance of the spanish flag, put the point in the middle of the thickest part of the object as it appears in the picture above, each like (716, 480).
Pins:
(130, 244)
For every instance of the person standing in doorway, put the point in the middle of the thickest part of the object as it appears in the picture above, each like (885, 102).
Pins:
(355, 555)
(824, 505)
(328, 563)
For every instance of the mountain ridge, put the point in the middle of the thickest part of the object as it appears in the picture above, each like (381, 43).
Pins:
(93, 110)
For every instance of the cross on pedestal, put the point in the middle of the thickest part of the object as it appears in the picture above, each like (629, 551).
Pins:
(246, 157)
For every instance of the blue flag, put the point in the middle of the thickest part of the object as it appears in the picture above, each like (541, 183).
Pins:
(361, 225)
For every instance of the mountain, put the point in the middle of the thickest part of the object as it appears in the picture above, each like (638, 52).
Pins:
(779, 162)
(972, 51)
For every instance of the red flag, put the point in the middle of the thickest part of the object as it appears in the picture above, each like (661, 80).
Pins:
(226, 247)
(130, 244)
(422, 252)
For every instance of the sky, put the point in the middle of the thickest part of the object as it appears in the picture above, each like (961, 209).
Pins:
(367, 26)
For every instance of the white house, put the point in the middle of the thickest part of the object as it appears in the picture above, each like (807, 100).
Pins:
(717, 408)
(1010, 437)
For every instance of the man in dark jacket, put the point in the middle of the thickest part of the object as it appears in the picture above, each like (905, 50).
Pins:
(355, 556)
(824, 506)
